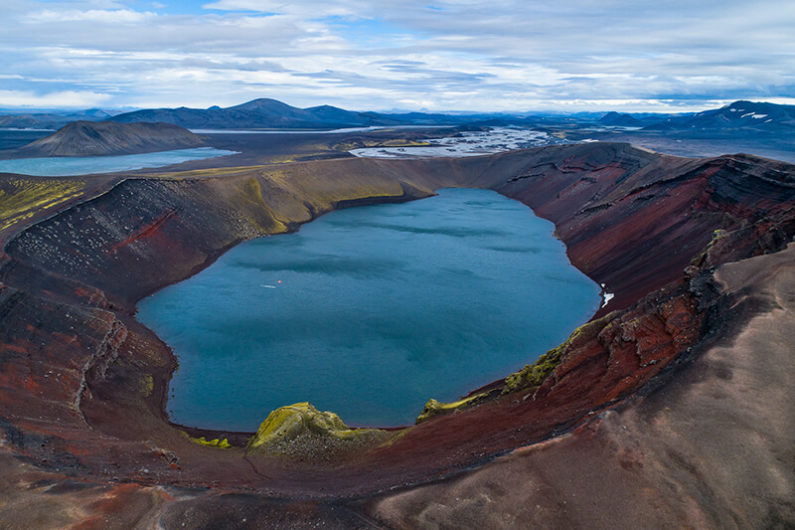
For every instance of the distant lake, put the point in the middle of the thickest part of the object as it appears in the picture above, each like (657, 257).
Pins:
(316, 131)
(65, 166)
(369, 312)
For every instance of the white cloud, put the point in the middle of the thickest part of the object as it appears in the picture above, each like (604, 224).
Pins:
(447, 54)
(304, 9)
(116, 16)
(65, 99)
(778, 101)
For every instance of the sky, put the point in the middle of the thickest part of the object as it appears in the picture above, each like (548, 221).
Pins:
(431, 55)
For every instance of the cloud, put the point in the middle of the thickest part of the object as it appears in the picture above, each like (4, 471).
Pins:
(442, 54)
(116, 16)
(66, 99)
(305, 9)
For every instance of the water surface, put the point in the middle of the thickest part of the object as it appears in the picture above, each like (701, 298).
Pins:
(65, 166)
(317, 131)
(369, 312)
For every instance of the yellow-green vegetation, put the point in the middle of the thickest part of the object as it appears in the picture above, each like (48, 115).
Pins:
(717, 235)
(22, 198)
(147, 385)
(204, 173)
(302, 157)
(395, 142)
(300, 430)
(532, 375)
(282, 159)
(435, 408)
(405, 143)
(215, 442)
(320, 189)
(703, 257)
(268, 223)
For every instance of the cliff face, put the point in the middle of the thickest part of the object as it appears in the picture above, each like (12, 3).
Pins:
(86, 138)
(83, 385)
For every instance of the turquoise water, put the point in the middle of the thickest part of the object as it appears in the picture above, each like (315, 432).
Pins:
(65, 166)
(370, 312)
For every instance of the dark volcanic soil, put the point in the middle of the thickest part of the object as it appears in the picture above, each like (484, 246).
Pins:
(683, 371)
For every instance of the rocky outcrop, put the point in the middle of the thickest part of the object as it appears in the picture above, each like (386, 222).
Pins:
(303, 432)
(83, 385)
(88, 138)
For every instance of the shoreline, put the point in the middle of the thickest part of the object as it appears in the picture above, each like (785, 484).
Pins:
(464, 390)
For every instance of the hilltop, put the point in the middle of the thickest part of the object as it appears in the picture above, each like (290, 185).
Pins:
(739, 116)
(86, 138)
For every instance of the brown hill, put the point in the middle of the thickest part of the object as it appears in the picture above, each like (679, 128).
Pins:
(85, 138)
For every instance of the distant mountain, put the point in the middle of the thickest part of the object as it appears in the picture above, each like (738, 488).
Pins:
(614, 119)
(49, 120)
(259, 113)
(740, 116)
(84, 138)
(266, 113)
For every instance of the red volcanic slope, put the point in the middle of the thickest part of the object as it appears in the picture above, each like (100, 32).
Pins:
(83, 385)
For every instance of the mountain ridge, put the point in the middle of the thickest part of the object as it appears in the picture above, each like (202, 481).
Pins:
(255, 114)
(739, 115)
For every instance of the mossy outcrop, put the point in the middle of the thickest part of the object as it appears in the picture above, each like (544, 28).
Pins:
(303, 432)
(435, 408)
(532, 375)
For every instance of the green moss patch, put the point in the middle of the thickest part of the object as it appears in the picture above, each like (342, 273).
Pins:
(436, 408)
(21, 198)
(303, 432)
(220, 443)
(532, 375)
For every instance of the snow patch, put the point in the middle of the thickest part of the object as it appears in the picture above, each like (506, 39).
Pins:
(607, 297)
